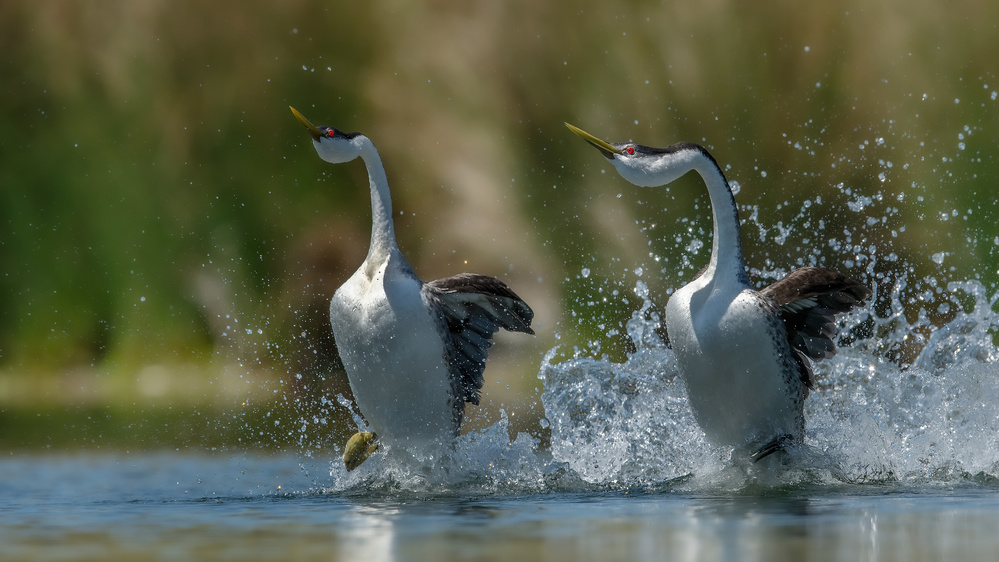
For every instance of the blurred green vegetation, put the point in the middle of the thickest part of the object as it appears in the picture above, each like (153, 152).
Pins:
(160, 207)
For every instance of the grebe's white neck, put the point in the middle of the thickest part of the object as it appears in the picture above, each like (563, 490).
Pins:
(650, 167)
(382, 229)
(336, 147)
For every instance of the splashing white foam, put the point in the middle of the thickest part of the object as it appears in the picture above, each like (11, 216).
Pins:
(869, 419)
(625, 425)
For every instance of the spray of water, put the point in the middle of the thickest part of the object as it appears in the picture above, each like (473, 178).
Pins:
(910, 400)
(626, 425)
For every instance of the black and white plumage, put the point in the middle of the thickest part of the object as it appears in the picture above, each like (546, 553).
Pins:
(744, 355)
(471, 308)
(414, 352)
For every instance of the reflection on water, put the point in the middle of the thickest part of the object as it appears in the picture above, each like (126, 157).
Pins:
(183, 506)
(371, 534)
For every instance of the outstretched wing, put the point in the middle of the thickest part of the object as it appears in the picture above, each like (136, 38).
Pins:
(472, 308)
(809, 299)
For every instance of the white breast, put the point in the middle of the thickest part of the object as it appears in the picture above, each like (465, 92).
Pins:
(394, 357)
(734, 363)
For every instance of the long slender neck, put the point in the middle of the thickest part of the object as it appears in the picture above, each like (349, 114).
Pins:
(382, 230)
(726, 244)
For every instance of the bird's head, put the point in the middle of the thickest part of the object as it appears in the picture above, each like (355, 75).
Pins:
(646, 166)
(332, 145)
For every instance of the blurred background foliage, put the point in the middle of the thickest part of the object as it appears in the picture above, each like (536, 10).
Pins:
(169, 239)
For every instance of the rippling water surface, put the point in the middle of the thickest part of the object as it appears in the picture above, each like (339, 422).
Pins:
(178, 506)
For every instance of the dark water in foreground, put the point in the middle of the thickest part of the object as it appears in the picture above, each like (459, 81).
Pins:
(179, 506)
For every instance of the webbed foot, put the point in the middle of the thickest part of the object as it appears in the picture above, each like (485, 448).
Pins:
(359, 447)
(779, 443)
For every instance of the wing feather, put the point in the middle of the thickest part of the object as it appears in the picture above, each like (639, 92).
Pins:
(809, 299)
(471, 308)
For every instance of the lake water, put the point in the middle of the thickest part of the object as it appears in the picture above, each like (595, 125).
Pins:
(182, 506)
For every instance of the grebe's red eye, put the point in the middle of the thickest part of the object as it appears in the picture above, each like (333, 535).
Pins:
(630, 150)
(331, 133)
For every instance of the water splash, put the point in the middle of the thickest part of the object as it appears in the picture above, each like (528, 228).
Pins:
(911, 399)
(618, 426)
(869, 419)
(481, 462)
(624, 423)
(935, 421)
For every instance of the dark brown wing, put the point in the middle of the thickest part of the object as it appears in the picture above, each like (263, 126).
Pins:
(809, 299)
(472, 308)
